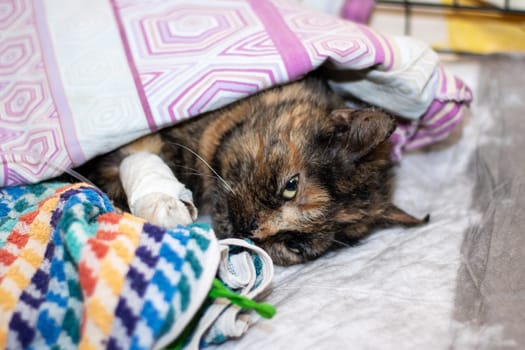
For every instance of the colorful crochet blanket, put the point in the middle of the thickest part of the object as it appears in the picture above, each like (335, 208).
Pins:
(79, 78)
(76, 274)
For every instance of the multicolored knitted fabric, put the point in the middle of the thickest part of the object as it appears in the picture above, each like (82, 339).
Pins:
(76, 274)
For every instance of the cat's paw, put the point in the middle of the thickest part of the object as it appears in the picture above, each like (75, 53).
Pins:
(164, 210)
(154, 193)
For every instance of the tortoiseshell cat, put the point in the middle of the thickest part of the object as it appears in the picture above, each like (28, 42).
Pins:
(298, 171)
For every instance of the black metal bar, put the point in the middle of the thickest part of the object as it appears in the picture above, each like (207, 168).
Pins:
(408, 17)
(456, 6)
(443, 50)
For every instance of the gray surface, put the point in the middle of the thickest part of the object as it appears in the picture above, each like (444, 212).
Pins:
(491, 280)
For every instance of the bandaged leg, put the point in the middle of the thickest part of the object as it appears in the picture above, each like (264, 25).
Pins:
(154, 193)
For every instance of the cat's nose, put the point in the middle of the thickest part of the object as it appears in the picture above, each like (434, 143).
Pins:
(249, 228)
(254, 225)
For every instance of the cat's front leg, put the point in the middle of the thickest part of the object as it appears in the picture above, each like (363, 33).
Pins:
(154, 193)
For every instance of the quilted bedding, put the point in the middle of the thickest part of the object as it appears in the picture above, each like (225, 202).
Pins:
(80, 78)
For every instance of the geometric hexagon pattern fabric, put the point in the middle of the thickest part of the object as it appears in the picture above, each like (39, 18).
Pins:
(79, 78)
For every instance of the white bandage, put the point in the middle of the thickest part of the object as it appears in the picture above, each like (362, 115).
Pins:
(153, 191)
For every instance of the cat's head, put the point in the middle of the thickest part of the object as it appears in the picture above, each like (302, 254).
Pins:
(306, 179)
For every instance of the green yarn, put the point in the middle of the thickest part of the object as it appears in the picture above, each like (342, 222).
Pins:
(219, 290)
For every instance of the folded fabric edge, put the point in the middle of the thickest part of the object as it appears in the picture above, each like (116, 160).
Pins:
(241, 276)
(441, 118)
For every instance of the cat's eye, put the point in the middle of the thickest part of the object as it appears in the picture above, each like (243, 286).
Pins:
(291, 187)
(294, 246)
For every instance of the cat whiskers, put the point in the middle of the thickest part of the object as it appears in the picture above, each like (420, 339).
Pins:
(186, 170)
(60, 168)
(341, 243)
(223, 182)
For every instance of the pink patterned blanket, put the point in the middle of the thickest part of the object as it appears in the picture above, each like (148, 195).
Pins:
(79, 78)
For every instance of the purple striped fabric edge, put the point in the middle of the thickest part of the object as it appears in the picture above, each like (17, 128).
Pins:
(295, 57)
(133, 68)
(69, 134)
(357, 10)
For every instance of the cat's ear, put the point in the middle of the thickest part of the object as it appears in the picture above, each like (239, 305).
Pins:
(394, 216)
(359, 131)
(386, 215)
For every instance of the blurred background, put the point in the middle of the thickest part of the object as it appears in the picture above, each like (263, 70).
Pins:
(459, 26)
